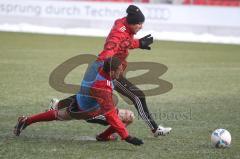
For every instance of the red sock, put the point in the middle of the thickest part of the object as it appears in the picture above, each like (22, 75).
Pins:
(109, 131)
(46, 116)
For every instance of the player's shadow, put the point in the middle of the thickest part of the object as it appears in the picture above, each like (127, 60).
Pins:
(54, 139)
(78, 141)
(124, 149)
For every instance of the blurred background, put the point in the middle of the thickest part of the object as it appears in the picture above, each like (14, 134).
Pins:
(179, 2)
(216, 21)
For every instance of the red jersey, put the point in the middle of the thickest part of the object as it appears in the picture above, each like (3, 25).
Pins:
(102, 91)
(119, 40)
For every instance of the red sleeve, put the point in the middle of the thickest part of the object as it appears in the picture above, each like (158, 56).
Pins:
(103, 94)
(113, 120)
(135, 44)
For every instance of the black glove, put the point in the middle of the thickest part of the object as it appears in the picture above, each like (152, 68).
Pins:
(134, 140)
(146, 41)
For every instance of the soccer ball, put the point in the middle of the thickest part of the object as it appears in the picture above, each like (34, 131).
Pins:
(221, 138)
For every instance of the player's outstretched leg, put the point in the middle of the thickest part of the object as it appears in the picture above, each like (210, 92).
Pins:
(23, 122)
(126, 88)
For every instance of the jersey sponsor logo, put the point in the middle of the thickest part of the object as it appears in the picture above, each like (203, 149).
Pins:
(122, 29)
(108, 83)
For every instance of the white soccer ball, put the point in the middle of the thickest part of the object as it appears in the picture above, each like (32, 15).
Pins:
(221, 138)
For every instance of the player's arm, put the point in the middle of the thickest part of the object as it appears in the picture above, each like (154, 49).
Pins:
(143, 43)
(103, 94)
(135, 44)
(115, 122)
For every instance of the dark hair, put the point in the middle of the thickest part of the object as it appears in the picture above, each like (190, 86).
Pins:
(111, 64)
(134, 15)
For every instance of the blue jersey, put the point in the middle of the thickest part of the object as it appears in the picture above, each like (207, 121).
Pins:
(84, 99)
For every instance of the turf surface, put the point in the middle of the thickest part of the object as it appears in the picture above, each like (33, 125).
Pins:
(205, 96)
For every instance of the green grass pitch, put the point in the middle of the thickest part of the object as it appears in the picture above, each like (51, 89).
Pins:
(206, 88)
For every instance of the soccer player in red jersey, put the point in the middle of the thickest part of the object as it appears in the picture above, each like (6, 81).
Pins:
(118, 42)
(93, 100)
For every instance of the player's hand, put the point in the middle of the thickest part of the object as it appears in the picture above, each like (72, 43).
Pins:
(146, 41)
(134, 140)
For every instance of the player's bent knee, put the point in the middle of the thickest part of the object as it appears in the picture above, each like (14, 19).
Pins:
(127, 116)
(130, 117)
(63, 115)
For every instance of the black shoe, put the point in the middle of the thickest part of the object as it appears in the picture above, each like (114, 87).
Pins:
(21, 125)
